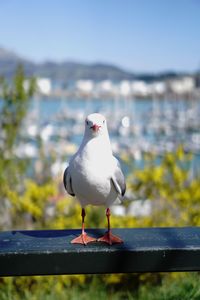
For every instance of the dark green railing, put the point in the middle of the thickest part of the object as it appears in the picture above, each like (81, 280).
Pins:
(48, 252)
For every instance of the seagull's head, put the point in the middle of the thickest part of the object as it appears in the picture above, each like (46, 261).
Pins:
(95, 125)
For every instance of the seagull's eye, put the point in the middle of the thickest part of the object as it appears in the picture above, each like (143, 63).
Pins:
(87, 122)
(103, 121)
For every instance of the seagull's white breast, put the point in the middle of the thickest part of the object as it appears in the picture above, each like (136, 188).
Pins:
(91, 172)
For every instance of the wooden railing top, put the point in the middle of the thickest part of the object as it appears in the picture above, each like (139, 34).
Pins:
(46, 252)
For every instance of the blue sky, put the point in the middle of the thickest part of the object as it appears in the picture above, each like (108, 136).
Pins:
(143, 35)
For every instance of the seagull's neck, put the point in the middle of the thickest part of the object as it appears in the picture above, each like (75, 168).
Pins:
(96, 147)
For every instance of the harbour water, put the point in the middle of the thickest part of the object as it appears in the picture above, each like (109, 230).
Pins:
(136, 126)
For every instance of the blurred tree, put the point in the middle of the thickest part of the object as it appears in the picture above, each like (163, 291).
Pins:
(14, 104)
(14, 108)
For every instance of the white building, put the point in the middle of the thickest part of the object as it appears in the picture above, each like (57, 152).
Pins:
(125, 88)
(142, 89)
(44, 86)
(105, 87)
(139, 88)
(85, 86)
(157, 88)
(182, 85)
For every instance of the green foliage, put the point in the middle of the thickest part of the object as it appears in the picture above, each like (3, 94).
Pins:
(15, 104)
(28, 209)
(15, 101)
(54, 291)
(183, 286)
(175, 196)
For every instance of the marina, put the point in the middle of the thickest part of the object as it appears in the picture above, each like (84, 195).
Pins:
(136, 127)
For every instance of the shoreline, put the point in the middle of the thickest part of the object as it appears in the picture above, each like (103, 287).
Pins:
(82, 97)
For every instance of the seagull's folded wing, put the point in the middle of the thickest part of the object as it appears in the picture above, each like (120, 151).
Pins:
(67, 180)
(118, 180)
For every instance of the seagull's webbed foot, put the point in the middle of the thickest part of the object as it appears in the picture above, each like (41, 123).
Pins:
(110, 238)
(83, 239)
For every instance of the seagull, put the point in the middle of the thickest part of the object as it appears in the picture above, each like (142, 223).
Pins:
(94, 176)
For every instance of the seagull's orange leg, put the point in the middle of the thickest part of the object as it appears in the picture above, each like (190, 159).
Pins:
(108, 237)
(83, 238)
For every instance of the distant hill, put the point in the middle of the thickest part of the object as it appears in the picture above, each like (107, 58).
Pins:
(74, 71)
(67, 70)
(9, 62)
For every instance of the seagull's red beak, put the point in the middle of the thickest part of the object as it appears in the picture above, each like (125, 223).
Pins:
(95, 127)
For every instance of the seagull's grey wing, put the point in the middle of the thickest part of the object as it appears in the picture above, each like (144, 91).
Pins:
(67, 180)
(118, 180)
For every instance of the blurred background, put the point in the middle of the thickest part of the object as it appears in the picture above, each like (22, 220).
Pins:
(136, 62)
